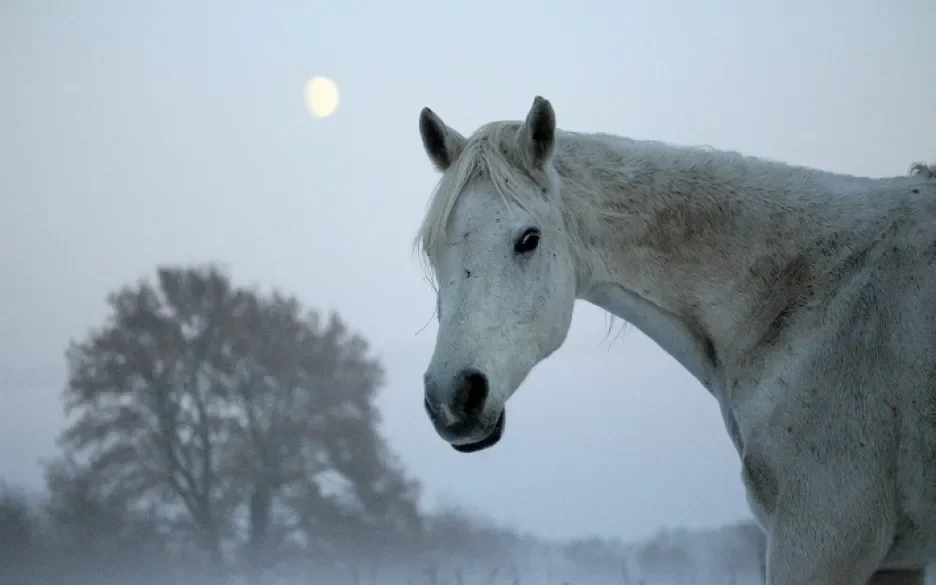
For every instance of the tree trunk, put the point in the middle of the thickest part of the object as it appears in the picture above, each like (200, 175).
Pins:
(261, 504)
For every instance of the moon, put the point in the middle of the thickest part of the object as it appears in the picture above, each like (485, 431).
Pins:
(321, 97)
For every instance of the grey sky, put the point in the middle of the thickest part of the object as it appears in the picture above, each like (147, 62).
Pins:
(139, 133)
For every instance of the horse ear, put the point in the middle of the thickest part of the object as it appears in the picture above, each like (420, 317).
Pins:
(442, 144)
(538, 135)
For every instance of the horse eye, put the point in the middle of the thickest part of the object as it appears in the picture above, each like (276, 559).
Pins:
(527, 242)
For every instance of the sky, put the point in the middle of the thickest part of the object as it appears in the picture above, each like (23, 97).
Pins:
(134, 134)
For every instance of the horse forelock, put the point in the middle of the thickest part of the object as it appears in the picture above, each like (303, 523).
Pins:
(490, 153)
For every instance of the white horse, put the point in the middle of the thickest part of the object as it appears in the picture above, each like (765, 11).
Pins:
(802, 300)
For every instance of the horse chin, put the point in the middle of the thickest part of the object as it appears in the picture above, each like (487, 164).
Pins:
(489, 441)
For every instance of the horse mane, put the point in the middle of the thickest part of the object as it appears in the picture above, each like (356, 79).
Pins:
(492, 153)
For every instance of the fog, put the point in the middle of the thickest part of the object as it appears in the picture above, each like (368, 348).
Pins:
(213, 329)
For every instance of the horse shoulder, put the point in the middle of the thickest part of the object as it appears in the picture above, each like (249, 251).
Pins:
(849, 397)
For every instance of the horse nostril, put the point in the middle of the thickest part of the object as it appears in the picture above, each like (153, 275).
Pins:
(473, 393)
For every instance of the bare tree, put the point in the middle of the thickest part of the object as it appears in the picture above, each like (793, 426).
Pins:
(230, 409)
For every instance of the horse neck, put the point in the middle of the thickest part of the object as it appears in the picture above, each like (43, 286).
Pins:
(696, 242)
